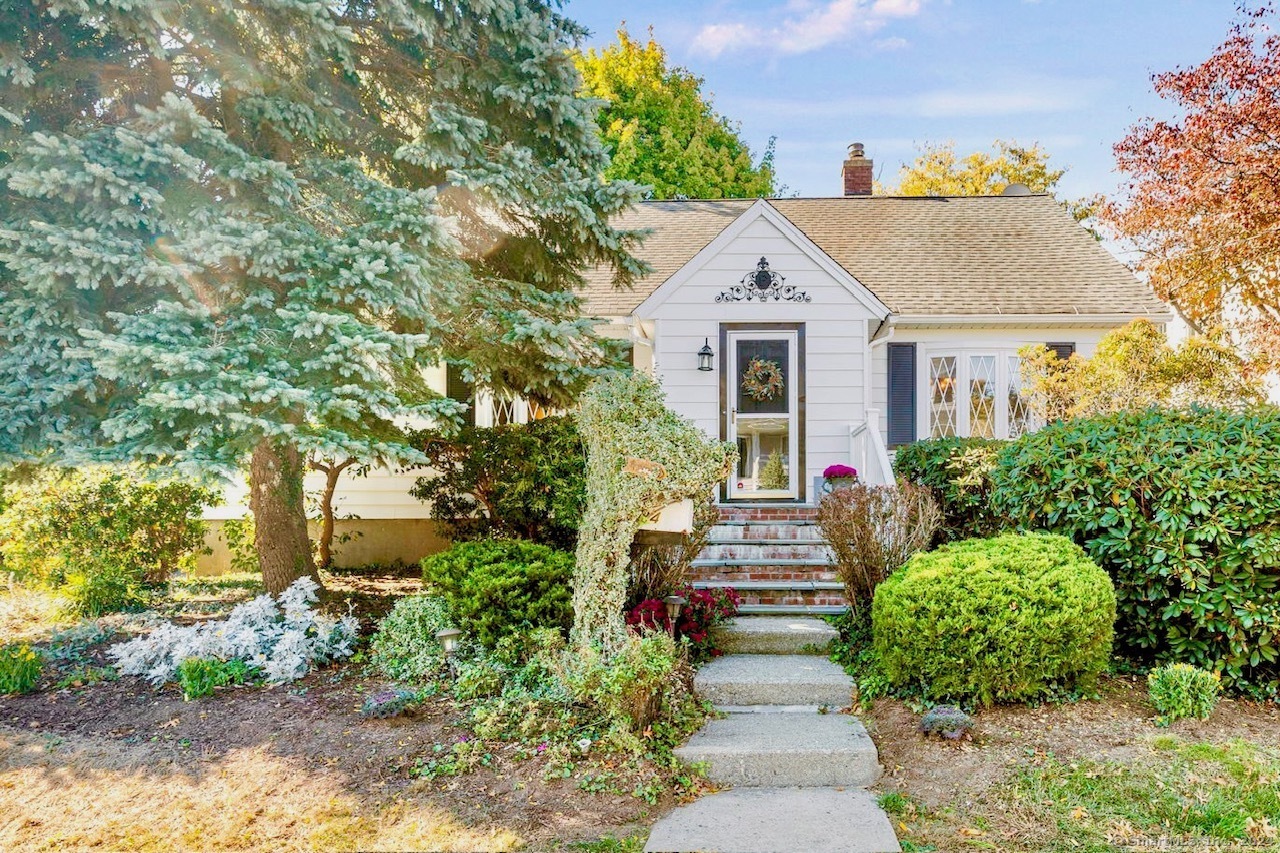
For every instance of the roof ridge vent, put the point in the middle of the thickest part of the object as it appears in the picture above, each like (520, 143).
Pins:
(1016, 190)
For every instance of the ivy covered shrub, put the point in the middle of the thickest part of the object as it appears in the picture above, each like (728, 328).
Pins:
(958, 472)
(105, 533)
(405, 647)
(1182, 509)
(1005, 619)
(641, 456)
(524, 481)
(499, 587)
(1180, 690)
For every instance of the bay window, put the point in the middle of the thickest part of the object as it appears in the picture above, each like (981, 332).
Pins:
(974, 392)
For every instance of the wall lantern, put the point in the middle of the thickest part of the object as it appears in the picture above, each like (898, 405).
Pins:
(705, 355)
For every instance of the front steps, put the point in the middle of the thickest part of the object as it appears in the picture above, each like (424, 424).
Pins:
(774, 680)
(778, 820)
(783, 750)
(776, 560)
(798, 773)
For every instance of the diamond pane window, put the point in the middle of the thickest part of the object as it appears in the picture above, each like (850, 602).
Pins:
(1019, 407)
(942, 396)
(982, 396)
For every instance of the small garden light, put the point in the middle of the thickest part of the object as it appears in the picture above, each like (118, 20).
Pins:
(705, 355)
(674, 603)
(449, 638)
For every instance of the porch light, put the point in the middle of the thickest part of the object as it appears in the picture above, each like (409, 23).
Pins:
(674, 603)
(705, 355)
(449, 638)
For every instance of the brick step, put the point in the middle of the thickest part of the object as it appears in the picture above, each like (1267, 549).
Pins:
(780, 584)
(820, 565)
(730, 540)
(756, 553)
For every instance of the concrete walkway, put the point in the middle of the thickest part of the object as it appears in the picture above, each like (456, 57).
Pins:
(797, 767)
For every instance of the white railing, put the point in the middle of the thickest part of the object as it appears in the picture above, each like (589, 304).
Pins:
(868, 453)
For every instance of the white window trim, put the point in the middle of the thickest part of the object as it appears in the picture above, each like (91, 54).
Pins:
(962, 353)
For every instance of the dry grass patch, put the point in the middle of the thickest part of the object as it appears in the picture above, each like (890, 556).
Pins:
(74, 794)
(30, 615)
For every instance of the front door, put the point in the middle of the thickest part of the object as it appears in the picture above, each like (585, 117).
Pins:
(763, 396)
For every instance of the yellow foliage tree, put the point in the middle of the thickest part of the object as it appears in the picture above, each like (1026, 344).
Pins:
(939, 171)
(1134, 367)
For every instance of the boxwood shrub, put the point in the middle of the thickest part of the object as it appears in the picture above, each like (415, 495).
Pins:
(1005, 619)
(496, 588)
(957, 471)
(1182, 509)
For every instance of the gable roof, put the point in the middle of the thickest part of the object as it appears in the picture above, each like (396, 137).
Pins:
(758, 211)
(921, 256)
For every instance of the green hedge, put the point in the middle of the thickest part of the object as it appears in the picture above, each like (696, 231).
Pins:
(497, 588)
(957, 470)
(1183, 511)
(995, 620)
(524, 481)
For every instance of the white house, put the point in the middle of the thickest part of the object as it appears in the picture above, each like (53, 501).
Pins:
(889, 318)
(867, 322)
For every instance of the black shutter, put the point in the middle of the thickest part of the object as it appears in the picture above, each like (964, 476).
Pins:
(902, 394)
(1063, 351)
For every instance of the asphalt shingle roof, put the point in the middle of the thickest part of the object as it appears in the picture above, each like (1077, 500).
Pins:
(920, 256)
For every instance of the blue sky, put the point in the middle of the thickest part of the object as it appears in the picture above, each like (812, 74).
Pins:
(819, 74)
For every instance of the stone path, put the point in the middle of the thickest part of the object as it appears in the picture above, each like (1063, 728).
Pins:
(797, 771)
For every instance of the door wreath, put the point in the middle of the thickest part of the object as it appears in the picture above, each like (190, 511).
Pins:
(762, 380)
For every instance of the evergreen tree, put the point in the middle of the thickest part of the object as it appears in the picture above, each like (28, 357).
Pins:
(662, 132)
(238, 232)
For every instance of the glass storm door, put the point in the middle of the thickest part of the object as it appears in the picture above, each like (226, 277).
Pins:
(763, 402)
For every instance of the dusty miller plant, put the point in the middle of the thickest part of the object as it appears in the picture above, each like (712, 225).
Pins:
(873, 530)
(283, 638)
(641, 456)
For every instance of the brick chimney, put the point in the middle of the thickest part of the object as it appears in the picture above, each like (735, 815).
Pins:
(857, 172)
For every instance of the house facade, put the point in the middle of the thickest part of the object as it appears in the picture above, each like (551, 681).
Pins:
(819, 331)
(822, 331)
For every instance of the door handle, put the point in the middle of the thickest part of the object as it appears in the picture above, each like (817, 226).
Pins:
(733, 416)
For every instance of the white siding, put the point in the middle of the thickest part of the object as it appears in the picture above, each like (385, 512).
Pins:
(835, 327)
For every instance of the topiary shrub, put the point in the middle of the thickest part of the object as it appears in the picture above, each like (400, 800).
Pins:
(995, 620)
(1181, 690)
(497, 588)
(525, 481)
(957, 471)
(1183, 511)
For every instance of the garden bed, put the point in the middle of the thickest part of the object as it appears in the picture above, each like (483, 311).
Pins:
(117, 765)
(1090, 775)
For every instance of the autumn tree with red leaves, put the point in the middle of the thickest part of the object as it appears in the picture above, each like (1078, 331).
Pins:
(1203, 196)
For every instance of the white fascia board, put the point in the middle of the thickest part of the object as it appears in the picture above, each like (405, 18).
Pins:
(978, 320)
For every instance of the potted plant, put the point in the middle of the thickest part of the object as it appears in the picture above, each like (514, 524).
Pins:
(838, 477)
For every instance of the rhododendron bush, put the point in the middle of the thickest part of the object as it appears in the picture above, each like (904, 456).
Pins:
(281, 638)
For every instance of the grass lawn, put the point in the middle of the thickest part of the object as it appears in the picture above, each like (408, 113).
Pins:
(1089, 776)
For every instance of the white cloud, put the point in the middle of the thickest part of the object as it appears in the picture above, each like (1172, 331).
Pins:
(1016, 98)
(802, 26)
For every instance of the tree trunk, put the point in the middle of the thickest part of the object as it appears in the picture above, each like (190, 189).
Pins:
(279, 515)
(332, 472)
